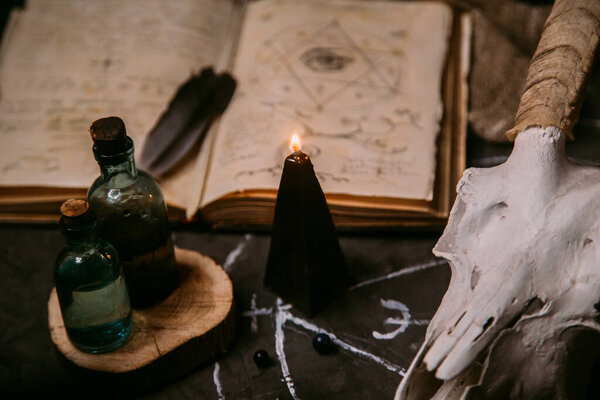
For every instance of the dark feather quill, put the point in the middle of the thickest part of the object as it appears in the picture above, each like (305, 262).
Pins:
(184, 124)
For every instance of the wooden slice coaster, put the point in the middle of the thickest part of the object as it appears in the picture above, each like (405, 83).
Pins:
(193, 324)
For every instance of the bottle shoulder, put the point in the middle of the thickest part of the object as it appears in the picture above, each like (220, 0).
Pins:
(143, 188)
(94, 186)
(144, 178)
(86, 263)
(95, 249)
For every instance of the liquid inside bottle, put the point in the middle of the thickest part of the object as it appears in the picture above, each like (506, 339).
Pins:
(96, 318)
(91, 288)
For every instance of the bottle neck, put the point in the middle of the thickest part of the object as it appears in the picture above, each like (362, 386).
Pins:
(117, 161)
(126, 167)
(77, 236)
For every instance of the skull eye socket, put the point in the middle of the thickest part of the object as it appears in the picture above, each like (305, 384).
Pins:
(327, 59)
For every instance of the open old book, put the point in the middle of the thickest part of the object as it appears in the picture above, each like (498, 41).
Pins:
(376, 90)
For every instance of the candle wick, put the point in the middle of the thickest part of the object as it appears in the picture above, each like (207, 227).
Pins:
(298, 157)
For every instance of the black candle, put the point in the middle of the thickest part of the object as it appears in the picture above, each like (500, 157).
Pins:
(306, 266)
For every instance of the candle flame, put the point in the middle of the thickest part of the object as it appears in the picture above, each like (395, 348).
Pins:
(295, 143)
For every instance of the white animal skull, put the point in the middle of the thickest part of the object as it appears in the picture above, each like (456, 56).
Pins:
(523, 244)
(521, 318)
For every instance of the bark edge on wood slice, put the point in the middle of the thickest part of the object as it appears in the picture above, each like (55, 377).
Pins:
(195, 323)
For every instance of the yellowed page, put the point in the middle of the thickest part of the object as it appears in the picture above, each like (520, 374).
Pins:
(70, 62)
(359, 81)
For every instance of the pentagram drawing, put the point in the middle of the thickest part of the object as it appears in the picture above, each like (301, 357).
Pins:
(312, 69)
(324, 76)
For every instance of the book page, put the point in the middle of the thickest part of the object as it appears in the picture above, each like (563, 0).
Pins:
(360, 82)
(69, 62)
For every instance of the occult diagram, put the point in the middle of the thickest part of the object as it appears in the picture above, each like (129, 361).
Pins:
(330, 84)
(329, 68)
(282, 316)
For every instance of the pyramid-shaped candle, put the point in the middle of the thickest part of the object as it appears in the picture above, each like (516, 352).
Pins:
(306, 266)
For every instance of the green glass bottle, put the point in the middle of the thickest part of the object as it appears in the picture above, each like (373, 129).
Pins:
(89, 282)
(132, 215)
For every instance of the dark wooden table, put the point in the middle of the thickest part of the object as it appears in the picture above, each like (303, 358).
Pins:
(378, 324)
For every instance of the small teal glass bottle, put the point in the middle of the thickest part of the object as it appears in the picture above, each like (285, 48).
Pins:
(132, 215)
(90, 285)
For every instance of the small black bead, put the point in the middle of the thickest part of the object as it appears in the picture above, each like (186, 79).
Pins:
(322, 343)
(262, 359)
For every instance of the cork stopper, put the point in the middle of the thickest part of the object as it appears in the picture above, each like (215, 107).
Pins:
(75, 213)
(108, 129)
(109, 135)
(74, 208)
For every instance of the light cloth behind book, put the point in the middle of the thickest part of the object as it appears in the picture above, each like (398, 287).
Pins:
(376, 91)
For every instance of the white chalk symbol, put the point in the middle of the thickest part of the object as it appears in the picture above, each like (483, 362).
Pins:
(218, 382)
(402, 322)
(282, 315)
(235, 253)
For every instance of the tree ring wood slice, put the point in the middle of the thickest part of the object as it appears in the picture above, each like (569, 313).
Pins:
(193, 324)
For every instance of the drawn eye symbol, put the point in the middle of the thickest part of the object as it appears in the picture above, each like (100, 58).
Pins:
(326, 59)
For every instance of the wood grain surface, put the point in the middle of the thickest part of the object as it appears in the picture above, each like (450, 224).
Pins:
(198, 315)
